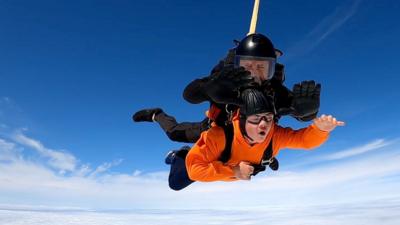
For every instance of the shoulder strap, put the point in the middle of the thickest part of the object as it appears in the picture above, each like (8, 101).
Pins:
(267, 154)
(226, 154)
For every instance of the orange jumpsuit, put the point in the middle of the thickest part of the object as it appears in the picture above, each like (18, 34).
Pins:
(202, 160)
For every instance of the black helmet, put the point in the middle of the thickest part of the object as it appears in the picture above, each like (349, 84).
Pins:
(255, 102)
(256, 45)
(257, 48)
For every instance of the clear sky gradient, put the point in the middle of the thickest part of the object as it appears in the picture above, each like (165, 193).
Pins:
(73, 72)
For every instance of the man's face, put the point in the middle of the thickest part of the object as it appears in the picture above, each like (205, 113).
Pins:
(258, 68)
(258, 126)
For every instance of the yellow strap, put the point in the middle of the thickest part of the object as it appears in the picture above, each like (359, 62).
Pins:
(254, 17)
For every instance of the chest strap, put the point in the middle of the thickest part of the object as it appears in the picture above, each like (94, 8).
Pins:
(267, 159)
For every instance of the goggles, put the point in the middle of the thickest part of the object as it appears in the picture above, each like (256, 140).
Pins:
(257, 118)
(261, 68)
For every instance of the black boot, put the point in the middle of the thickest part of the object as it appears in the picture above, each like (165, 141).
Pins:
(146, 115)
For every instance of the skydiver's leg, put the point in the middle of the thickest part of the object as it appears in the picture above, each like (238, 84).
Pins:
(178, 176)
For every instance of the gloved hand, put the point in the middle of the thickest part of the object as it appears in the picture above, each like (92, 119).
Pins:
(282, 96)
(223, 86)
(306, 99)
(307, 118)
(227, 61)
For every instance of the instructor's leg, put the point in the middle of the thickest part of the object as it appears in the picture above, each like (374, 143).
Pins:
(181, 132)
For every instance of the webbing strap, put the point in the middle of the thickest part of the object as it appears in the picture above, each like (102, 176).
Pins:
(265, 161)
(226, 154)
(267, 154)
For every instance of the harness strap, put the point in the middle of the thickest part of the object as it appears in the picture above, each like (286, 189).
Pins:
(267, 159)
(226, 154)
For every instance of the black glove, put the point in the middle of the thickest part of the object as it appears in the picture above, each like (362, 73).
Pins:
(223, 86)
(306, 98)
(227, 61)
(307, 118)
(282, 96)
(195, 92)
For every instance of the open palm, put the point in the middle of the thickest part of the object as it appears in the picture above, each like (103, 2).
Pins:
(327, 123)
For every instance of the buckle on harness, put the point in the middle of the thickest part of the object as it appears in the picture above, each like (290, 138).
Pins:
(230, 114)
(266, 162)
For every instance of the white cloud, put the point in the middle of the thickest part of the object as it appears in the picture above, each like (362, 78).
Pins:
(57, 159)
(84, 170)
(137, 172)
(325, 28)
(358, 179)
(8, 151)
(374, 145)
(105, 167)
(334, 21)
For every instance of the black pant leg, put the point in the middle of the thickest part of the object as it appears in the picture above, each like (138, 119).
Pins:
(178, 176)
(181, 132)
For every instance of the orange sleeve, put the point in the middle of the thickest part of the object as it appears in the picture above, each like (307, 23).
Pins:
(202, 162)
(306, 138)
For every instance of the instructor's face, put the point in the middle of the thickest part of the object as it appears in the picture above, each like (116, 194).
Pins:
(257, 68)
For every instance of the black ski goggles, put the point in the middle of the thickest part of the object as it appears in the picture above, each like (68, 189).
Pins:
(257, 118)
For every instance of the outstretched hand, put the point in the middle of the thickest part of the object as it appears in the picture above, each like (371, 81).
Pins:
(306, 99)
(224, 85)
(327, 123)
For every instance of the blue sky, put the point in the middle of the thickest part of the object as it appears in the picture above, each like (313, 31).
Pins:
(72, 73)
